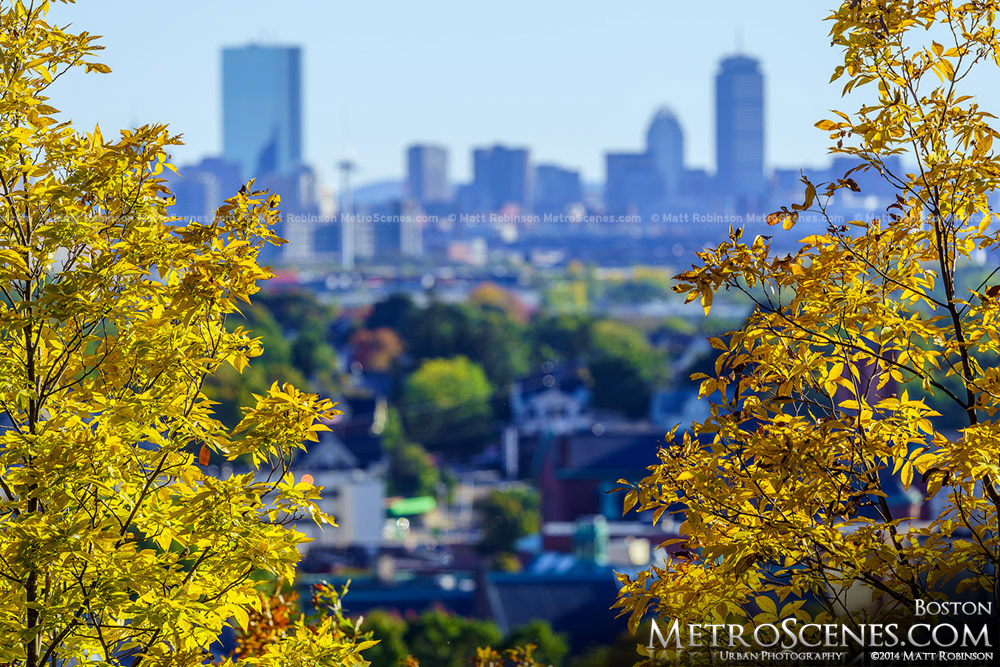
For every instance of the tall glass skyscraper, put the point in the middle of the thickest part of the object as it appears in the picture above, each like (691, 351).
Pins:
(739, 127)
(262, 109)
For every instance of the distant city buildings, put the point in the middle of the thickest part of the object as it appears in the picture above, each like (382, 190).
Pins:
(510, 205)
(739, 130)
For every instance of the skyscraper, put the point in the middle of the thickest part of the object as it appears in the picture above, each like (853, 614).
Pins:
(262, 109)
(501, 176)
(739, 128)
(427, 173)
(665, 145)
(633, 183)
(556, 188)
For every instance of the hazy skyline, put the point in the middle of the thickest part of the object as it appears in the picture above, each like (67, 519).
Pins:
(568, 80)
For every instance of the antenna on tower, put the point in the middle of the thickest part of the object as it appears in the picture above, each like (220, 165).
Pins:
(739, 41)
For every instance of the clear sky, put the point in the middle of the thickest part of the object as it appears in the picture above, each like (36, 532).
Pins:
(570, 80)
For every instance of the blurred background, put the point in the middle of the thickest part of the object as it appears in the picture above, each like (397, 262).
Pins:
(485, 206)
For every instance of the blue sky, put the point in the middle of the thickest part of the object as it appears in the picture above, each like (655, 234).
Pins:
(568, 79)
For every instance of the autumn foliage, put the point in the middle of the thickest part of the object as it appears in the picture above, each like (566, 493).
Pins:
(790, 491)
(116, 546)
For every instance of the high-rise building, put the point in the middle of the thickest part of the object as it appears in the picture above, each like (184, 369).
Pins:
(427, 174)
(262, 109)
(501, 176)
(397, 231)
(739, 128)
(556, 188)
(665, 145)
(633, 183)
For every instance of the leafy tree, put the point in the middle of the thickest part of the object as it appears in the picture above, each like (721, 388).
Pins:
(376, 350)
(115, 547)
(506, 517)
(488, 337)
(437, 637)
(297, 310)
(390, 629)
(561, 337)
(787, 488)
(274, 628)
(234, 389)
(412, 471)
(643, 290)
(312, 355)
(567, 296)
(623, 367)
(447, 405)
(550, 647)
(443, 639)
(396, 312)
(491, 295)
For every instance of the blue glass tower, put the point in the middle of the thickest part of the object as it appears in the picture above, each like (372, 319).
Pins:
(262, 109)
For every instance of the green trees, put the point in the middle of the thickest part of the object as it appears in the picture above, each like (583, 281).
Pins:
(487, 336)
(623, 367)
(412, 471)
(506, 517)
(441, 639)
(115, 547)
(447, 405)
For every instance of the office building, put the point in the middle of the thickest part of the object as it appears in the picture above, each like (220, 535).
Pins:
(556, 188)
(739, 135)
(633, 183)
(427, 174)
(262, 109)
(665, 145)
(501, 177)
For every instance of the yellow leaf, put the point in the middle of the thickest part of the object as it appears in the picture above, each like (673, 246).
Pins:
(906, 475)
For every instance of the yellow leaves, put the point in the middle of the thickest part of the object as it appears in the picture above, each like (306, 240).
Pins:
(708, 387)
(906, 474)
(833, 380)
(786, 218)
(945, 70)
(707, 296)
(786, 474)
(241, 616)
(767, 606)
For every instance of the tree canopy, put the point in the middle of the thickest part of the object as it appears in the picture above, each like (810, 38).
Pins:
(115, 546)
(447, 405)
(799, 486)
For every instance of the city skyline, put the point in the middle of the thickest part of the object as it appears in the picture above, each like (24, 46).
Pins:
(567, 85)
